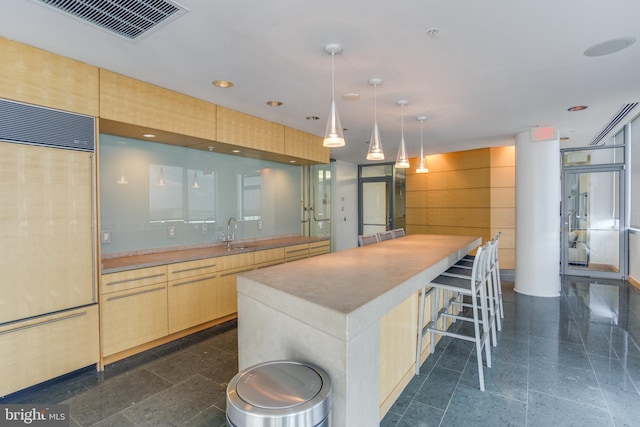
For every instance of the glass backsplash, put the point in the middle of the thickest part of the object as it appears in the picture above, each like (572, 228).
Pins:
(155, 196)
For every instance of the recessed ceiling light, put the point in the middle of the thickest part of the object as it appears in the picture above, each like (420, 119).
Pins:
(211, 148)
(274, 103)
(292, 161)
(610, 46)
(235, 151)
(578, 108)
(351, 96)
(149, 135)
(223, 83)
(312, 118)
(564, 138)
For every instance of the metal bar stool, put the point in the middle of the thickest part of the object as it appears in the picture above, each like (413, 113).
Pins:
(473, 286)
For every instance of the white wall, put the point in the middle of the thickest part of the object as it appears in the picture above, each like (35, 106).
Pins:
(345, 223)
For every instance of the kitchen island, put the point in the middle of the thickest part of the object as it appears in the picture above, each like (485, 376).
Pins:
(329, 310)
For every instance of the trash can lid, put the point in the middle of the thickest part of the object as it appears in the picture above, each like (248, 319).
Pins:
(279, 385)
(280, 390)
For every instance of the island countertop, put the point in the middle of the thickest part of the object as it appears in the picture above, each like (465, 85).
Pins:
(327, 310)
(345, 281)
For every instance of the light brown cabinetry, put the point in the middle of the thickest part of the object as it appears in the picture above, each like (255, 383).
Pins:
(304, 145)
(295, 252)
(319, 248)
(243, 130)
(229, 267)
(134, 308)
(131, 101)
(45, 347)
(192, 293)
(38, 77)
(268, 257)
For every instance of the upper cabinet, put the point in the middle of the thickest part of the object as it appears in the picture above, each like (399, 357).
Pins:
(130, 101)
(304, 145)
(38, 77)
(251, 132)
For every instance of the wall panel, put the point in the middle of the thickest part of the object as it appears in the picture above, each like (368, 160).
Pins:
(466, 193)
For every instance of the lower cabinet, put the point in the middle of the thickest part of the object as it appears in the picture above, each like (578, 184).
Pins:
(42, 348)
(147, 304)
(192, 301)
(230, 266)
(133, 317)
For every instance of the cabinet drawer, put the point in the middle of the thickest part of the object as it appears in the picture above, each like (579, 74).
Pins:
(319, 248)
(294, 252)
(191, 268)
(46, 347)
(132, 279)
(269, 257)
(133, 317)
(236, 262)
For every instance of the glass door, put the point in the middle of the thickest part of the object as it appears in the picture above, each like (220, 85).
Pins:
(316, 203)
(592, 218)
(381, 198)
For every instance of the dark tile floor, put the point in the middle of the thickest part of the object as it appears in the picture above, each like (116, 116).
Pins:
(568, 361)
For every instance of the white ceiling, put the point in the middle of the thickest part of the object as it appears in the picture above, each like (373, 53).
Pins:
(497, 67)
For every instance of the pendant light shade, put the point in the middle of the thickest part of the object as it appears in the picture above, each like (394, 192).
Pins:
(402, 161)
(422, 163)
(333, 135)
(375, 144)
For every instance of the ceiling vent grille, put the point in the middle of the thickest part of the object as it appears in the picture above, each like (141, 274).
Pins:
(130, 19)
(620, 115)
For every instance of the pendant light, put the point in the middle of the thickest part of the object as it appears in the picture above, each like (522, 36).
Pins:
(375, 144)
(195, 184)
(422, 163)
(333, 135)
(402, 161)
(161, 181)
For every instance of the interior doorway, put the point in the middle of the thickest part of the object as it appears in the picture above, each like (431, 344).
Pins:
(593, 220)
(381, 198)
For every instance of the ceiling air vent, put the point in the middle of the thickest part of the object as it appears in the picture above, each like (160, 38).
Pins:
(621, 114)
(131, 19)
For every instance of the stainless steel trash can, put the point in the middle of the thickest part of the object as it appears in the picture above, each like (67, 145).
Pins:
(279, 393)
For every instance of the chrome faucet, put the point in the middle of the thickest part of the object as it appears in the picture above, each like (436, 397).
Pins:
(231, 235)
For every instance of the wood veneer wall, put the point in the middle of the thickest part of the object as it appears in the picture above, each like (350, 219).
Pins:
(466, 193)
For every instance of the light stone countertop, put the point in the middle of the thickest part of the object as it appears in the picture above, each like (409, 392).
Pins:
(345, 281)
(132, 261)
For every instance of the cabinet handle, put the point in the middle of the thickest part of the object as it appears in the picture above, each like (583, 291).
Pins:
(236, 272)
(192, 269)
(194, 281)
(118, 282)
(146, 291)
(46, 322)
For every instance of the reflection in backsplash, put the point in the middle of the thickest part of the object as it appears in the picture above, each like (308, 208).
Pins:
(155, 196)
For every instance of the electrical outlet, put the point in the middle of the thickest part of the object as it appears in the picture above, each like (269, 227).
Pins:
(106, 236)
(205, 229)
(171, 231)
(260, 225)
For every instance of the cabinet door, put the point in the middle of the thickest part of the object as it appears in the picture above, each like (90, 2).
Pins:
(192, 301)
(133, 317)
(46, 347)
(46, 248)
